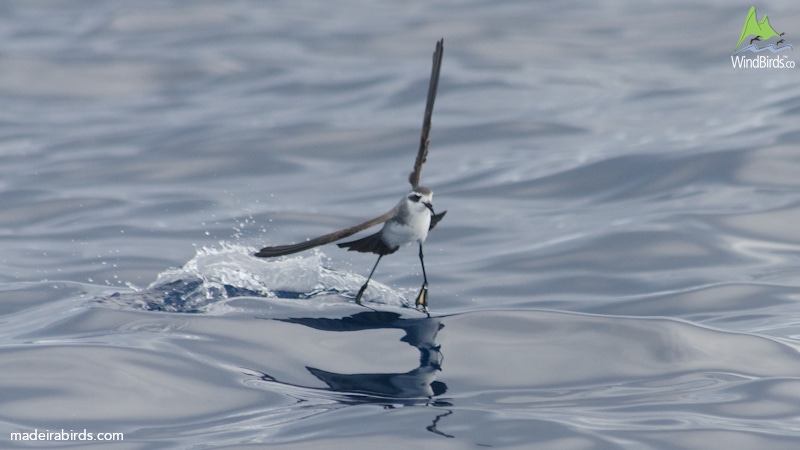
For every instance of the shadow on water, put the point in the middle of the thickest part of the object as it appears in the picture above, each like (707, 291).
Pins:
(377, 387)
(222, 281)
(417, 387)
(323, 339)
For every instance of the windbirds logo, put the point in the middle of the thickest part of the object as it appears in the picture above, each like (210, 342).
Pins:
(761, 32)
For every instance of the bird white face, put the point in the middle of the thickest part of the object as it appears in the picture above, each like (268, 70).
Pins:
(420, 199)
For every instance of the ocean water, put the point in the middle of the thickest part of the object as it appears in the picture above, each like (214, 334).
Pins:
(618, 268)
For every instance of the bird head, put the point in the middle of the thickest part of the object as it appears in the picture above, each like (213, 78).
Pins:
(421, 197)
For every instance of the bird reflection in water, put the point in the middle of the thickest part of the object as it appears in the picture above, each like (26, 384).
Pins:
(417, 387)
(417, 384)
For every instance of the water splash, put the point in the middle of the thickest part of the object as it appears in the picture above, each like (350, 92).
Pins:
(216, 274)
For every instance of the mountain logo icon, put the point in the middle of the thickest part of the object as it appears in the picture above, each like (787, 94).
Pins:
(760, 31)
(761, 38)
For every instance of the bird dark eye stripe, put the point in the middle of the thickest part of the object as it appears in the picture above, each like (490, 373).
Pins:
(414, 197)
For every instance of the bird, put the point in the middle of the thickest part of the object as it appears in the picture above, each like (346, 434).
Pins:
(406, 224)
(780, 42)
(757, 38)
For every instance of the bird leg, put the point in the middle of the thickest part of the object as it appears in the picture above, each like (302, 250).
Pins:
(364, 287)
(422, 299)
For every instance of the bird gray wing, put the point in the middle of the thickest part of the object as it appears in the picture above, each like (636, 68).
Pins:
(280, 250)
(436, 218)
(425, 140)
(374, 244)
(370, 244)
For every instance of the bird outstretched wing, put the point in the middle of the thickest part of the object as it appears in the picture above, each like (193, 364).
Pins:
(425, 140)
(413, 178)
(280, 250)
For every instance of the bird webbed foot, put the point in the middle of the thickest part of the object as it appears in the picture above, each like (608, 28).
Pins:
(422, 299)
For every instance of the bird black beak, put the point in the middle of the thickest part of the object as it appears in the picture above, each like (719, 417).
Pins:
(429, 206)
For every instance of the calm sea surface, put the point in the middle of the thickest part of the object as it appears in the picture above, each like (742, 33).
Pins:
(619, 266)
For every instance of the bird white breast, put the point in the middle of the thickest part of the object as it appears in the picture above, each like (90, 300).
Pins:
(414, 229)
